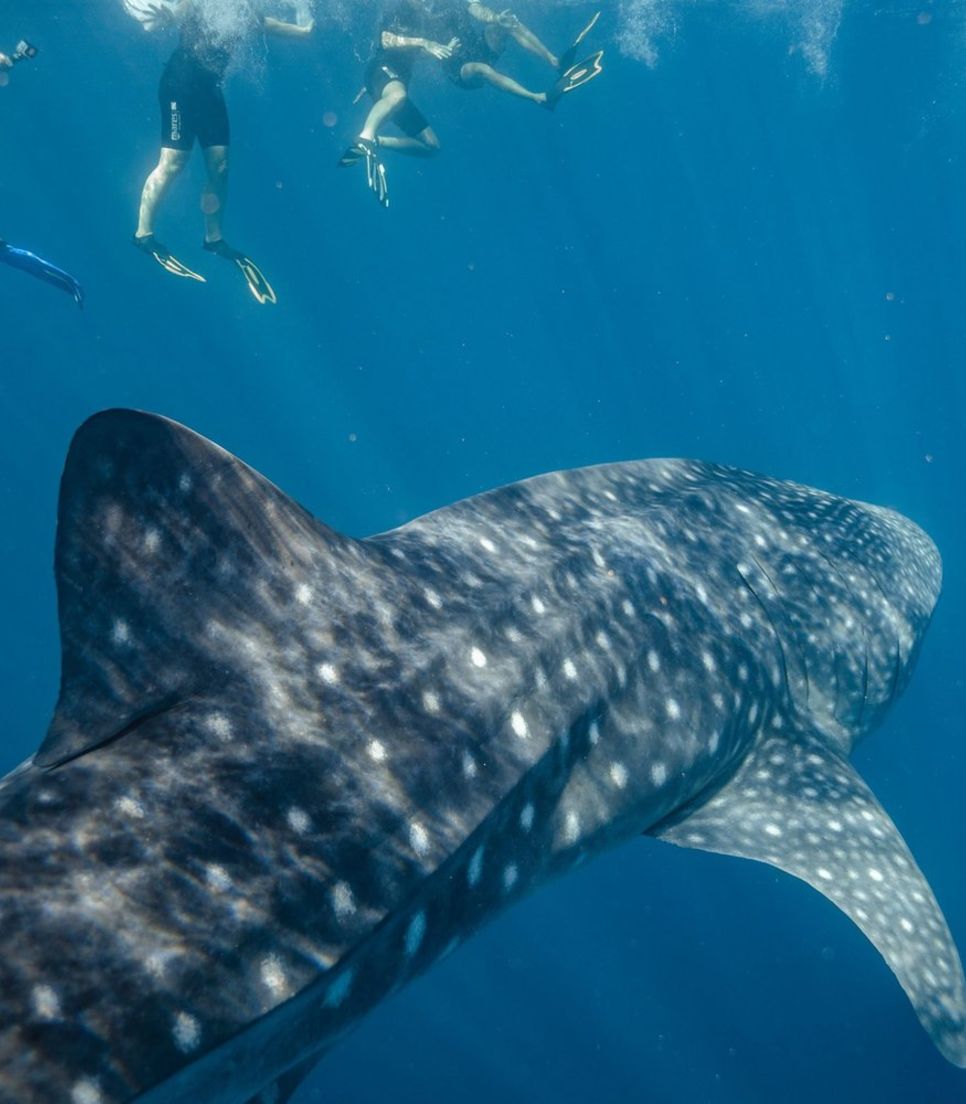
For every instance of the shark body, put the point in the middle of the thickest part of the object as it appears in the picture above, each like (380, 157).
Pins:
(289, 770)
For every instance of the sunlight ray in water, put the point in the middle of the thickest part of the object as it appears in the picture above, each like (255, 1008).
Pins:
(808, 27)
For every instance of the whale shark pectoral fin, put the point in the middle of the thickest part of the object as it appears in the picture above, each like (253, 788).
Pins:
(803, 808)
(284, 1088)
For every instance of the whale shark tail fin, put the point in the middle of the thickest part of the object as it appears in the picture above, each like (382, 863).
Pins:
(801, 806)
(165, 544)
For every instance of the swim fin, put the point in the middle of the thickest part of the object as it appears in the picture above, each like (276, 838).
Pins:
(378, 180)
(365, 149)
(42, 269)
(260, 288)
(149, 244)
(353, 154)
(574, 77)
(569, 56)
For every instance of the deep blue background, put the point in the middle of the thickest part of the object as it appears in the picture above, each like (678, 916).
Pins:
(723, 256)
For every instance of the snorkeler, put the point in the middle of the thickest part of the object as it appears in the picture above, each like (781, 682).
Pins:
(43, 270)
(193, 107)
(484, 36)
(401, 40)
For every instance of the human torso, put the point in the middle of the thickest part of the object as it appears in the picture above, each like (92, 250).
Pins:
(479, 40)
(207, 46)
(408, 19)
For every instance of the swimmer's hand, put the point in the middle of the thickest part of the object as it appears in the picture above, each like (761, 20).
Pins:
(507, 19)
(164, 15)
(284, 29)
(5, 62)
(439, 51)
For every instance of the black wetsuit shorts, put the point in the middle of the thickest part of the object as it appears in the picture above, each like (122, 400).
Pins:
(192, 105)
(408, 118)
(478, 43)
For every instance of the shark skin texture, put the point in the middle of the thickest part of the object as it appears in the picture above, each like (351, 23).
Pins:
(289, 770)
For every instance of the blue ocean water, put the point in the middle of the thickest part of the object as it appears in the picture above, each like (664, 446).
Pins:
(747, 249)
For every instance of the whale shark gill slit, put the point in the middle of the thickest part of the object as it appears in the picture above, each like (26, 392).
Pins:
(49, 761)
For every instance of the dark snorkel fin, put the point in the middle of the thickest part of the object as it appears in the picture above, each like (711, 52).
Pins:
(575, 77)
(569, 56)
(258, 285)
(365, 149)
(150, 245)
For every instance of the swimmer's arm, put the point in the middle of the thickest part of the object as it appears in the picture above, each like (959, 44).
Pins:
(5, 62)
(169, 13)
(287, 30)
(505, 18)
(392, 41)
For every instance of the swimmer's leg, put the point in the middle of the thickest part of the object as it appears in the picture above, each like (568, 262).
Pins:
(215, 194)
(392, 98)
(424, 144)
(419, 139)
(524, 37)
(170, 164)
(475, 71)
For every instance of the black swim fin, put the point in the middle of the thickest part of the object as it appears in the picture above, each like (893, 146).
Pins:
(149, 244)
(260, 288)
(577, 75)
(353, 154)
(378, 180)
(569, 56)
(365, 149)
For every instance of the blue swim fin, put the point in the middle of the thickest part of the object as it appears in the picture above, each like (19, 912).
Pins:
(42, 269)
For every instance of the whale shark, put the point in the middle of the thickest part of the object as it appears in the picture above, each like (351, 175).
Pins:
(288, 770)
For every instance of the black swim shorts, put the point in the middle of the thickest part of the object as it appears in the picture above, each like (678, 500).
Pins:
(192, 106)
(408, 118)
(484, 45)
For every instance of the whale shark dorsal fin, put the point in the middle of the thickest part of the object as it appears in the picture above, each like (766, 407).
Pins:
(802, 807)
(162, 537)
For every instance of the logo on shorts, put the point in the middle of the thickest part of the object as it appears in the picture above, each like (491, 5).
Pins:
(175, 122)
